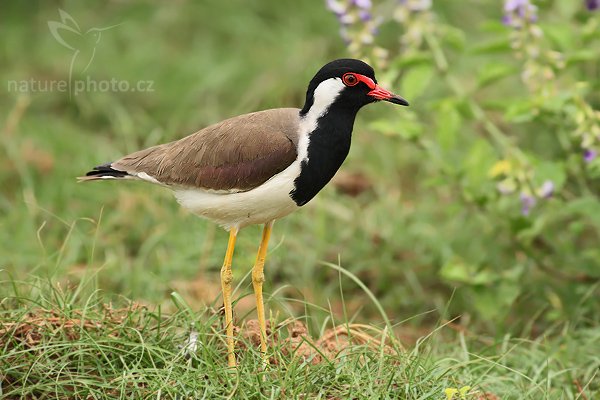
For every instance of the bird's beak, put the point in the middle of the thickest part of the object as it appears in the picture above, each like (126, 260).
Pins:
(382, 94)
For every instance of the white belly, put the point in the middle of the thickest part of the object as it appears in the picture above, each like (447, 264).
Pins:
(268, 202)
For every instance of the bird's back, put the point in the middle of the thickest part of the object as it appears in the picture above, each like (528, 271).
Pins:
(237, 154)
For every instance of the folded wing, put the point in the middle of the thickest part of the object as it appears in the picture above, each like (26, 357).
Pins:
(237, 154)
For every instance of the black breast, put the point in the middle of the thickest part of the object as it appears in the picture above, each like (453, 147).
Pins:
(328, 147)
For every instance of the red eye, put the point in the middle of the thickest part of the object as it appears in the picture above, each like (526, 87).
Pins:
(349, 79)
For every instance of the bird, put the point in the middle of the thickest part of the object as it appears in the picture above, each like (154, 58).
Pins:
(259, 167)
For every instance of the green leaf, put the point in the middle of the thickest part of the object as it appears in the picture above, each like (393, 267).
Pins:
(454, 37)
(561, 36)
(494, 301)
(588, 207)
(501, 45)
(416, 80)
(520, 111)
(448, 123)
(581, 55)
(408, 127)
(494, 26)
(456, 270)
(412, 59)
(536, 229)
(550, 171)
(478, 161)
(519, 224)
(492, 73)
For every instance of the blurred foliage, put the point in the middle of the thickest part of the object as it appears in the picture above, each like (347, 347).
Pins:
(506, 120)
(480, 199)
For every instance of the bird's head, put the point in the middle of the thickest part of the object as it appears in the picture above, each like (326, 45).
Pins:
(350, 84)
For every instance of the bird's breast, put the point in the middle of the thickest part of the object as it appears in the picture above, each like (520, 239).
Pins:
(328, 147)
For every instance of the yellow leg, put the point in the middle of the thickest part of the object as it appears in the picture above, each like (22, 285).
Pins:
(258, 277)
(226, 278)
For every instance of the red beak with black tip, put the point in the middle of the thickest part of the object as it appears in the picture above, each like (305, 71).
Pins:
(382, 94)
(377, 92)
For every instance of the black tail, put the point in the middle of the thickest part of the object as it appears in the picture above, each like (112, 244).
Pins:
(103, 171)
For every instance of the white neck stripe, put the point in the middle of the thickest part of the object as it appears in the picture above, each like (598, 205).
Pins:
(324, 95)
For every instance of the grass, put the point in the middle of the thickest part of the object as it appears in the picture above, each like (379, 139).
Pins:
(55, 346)
(101, 285)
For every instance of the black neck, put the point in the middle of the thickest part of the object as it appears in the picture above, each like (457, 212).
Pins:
(328, 147)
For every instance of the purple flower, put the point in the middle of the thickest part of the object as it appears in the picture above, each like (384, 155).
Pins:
(336, 7)
(364, 4)
(507, 20)
(527, 203)
(416, 5)
(516, 5)
(358, 24)
(547, 189)
(592, 5)
(516, 12)
(589, 155)
(364, 15)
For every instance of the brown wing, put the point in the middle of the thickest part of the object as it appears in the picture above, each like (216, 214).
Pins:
(239, 153)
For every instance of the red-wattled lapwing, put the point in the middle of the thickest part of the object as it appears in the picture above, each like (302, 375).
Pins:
(258, 167)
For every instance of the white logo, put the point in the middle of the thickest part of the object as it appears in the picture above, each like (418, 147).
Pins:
(83, 44)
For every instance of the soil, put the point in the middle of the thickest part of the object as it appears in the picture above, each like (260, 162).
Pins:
(299, 343)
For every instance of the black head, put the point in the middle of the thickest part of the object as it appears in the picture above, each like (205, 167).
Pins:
(350, 83)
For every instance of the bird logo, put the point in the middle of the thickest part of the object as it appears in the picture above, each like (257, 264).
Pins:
(83, 44)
